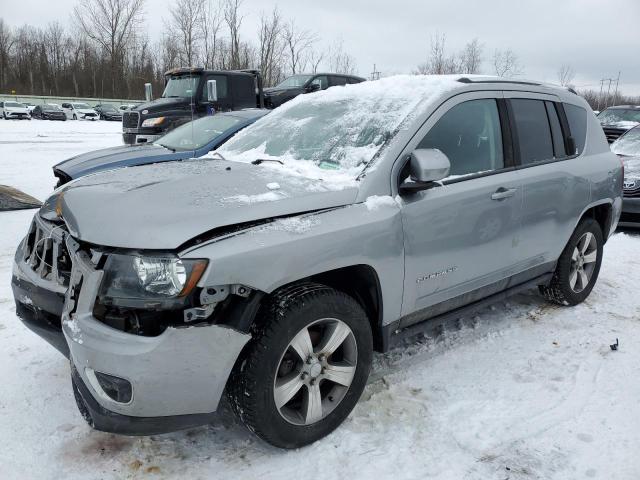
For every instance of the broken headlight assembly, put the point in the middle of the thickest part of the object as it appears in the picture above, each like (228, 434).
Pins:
(149, 282)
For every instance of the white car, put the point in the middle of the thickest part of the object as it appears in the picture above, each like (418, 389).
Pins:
(12, 110)
(79, 111)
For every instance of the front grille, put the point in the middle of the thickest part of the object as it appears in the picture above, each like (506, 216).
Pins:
(130, 119)
(632, 193)
(612, 134)
(627, 217)
(45, 252)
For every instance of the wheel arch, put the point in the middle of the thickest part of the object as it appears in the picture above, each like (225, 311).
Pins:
(602, 213)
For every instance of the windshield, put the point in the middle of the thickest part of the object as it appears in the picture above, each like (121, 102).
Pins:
(179, 87)
(616, 115)
(337, 129)
(81, 106)
(48, 106)
(628, 144)
(294, 81)
(13, 104)
(193, 135)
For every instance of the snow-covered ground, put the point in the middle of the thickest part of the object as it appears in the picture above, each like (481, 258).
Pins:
(525, 390)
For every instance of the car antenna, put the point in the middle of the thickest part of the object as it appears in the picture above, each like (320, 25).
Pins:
(258, 161)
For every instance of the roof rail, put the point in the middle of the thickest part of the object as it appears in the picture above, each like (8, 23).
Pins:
(496, 80)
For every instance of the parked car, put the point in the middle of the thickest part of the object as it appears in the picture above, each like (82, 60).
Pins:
(343, 222)
(108, 112)
(187, 96)
(295, 85)
(191, 140)
(627, 147)
(48, 111)
(79, 111)
(12, 110)
(126, 107)
(617, 120)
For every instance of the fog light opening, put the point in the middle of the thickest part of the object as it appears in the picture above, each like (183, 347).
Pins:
(114, 388)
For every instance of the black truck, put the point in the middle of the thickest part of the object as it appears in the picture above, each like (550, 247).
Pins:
(191, 93)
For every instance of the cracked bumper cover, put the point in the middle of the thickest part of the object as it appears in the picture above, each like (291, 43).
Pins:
(177, 377)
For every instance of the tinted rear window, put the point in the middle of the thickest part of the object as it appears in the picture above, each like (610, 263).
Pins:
(534, 134)
(577, 118)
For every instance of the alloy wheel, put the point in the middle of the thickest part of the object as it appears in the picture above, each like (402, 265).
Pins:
(315, 371)
(583, 262)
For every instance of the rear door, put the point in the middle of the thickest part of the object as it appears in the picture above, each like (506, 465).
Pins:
(460, 237)
(553, 194)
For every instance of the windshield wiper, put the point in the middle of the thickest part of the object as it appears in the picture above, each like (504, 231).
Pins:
(262, 160)
(173, 150)
(219, 155)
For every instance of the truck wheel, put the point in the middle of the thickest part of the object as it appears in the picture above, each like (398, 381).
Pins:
(305, 367)
(578, 266)
(75, 117)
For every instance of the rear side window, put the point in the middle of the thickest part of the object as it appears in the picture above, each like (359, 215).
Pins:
(470, 136)
(352, 80)
(534, 133)
(338, 81)
(577, 118)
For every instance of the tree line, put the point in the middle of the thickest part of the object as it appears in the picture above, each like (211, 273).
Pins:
(106, 52)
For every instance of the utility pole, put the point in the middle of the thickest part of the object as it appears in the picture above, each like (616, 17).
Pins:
(375, 75)
(615, 95)
(600, 94)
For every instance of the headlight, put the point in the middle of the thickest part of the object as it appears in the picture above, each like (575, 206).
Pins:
(153, 122)
(145, 281)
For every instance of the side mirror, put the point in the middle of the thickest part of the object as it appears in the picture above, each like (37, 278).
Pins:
(426, 166)
(212, 91)
(312, 87)
(148, 92)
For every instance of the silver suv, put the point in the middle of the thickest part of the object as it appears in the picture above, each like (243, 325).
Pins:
(342, 223)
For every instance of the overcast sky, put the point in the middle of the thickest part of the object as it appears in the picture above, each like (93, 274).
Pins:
(596, 40)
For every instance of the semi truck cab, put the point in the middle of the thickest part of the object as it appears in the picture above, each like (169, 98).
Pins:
(186, 98)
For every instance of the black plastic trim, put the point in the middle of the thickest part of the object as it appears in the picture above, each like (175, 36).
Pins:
(393, 333)
(105, 420)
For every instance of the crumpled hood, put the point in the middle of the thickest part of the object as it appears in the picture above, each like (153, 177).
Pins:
(124, 155)
(163, 206)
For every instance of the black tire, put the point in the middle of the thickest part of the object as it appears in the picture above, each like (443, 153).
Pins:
(252, 383)
(75, 117)
(559, 289)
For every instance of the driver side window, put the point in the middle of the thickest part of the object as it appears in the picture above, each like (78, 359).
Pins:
(470, 135)
(321, 80)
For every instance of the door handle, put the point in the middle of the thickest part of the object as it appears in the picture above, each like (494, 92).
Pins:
(503, 193)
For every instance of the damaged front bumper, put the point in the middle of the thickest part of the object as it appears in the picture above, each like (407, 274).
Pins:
(173, 380)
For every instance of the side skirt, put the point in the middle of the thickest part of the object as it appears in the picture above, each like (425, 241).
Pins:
(393, 334)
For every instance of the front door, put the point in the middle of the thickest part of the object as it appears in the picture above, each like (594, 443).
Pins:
(461, 236)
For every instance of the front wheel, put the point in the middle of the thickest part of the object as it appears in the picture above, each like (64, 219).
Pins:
(75, 117)
(578, 266)
(305, 368)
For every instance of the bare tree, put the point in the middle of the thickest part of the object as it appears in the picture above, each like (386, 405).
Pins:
(55, 47)
(314, 58)
(339, 60)
(298, 44)
(470, 58)
(184, 25)
(111, 24)
(271, 47)
(210, 22)
(233, 19)
(506, 63)
(6, 44)
(565, 75)
(438, 63)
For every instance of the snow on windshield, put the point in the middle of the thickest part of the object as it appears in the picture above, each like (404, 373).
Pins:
(628, 144)
(333, 134)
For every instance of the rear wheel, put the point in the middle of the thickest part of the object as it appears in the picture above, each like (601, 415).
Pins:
(75, 117)
(305, 368)
(578, 266)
